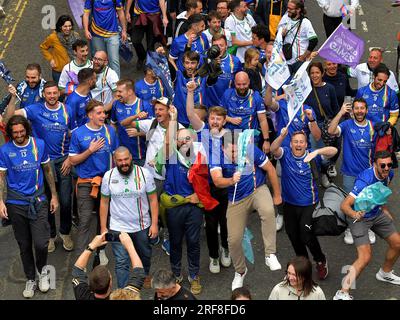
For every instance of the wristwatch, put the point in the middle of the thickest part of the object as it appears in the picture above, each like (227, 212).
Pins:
(89, 248)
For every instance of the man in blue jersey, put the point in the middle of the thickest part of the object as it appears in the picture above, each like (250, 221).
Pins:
(52, 122)
(150, 87)
(230, 65)
(378, 220)
(190, 61)
(106, 17)
(24, 162)
(251, 194)
(132, 107)
(246, 109)
(148, 16)
(29, 90)
(358, 147)
(90, 152)
(192, 40)
(80, 97)
(209, 134)
(383, 104)
(300, 194)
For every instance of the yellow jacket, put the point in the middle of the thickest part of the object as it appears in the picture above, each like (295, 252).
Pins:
(52, 49)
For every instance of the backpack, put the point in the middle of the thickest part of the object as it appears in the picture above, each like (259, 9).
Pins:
(327, 218)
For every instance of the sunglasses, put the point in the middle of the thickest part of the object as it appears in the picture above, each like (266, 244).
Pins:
(187, 138)
(384, 165)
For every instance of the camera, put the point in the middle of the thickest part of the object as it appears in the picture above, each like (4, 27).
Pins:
(112, 236)
(210, 66)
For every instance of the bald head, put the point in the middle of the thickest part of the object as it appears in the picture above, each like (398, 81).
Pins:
(123, 160)
(242, 83)
(100, 60)
(121, 149)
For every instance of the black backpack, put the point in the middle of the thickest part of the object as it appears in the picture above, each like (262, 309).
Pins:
(327, 218)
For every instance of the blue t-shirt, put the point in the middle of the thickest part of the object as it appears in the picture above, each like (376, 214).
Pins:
(77, 104)
(147, 6)
(380, 103)
(149, 92)
(104, 17)
(230, 65)
(298, 185)
(23, 165)
(178, 48)
(99, 162)
(365, 179)
(176, 178)
(358, 146)
(31, 96)
(181, 94)
(119, 112)
(212, 145)
(252, 176)
(299, 123)
(52, 126)
(247, 108)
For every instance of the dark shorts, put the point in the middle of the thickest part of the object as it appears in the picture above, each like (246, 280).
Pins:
(382, 225)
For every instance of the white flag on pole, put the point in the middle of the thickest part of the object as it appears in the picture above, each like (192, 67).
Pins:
(277, 70)
(297, 90)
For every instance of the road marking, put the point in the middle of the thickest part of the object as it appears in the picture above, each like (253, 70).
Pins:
(13, 20)
(364, 26)
(360, 11)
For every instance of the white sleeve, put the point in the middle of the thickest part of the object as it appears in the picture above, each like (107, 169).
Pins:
(62, 83)
(150, 184)
(230, 25)
(144, 125)
(105, 184)
(112, 79)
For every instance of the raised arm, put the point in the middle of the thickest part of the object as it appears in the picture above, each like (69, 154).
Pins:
(194, 119)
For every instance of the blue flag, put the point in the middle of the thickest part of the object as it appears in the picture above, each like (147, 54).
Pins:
(376, 194)
(5, 73)
(159, 64)
(246, 245)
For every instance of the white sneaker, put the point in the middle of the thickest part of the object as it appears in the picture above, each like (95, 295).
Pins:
(219, 229)
(390, 277)
(348, 238)
(341, 295)
(371, 236)
(103, 258)
(44, 281)
(272, 262)
(30, 287)
(238, 280)
(325, 181)
(331, 172)
(214, 266)
(225, 257)
(279, 222)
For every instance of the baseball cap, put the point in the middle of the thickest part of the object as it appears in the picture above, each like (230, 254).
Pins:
(163, 100)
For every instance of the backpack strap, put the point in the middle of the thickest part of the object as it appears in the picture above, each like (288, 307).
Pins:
(151, 131)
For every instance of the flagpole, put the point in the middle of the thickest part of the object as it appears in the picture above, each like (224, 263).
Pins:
(234, 194)
(329, 37)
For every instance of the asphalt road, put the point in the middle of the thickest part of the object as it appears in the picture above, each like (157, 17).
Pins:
(20, 36)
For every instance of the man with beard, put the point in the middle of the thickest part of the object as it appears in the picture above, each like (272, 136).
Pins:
(239, 25)
(364, 71)
(130, 107)
(298, 33)
(382, 101)
(358, 146)
(230, 65)
(80, 97)
(24, 163)
(191, 40)
(90, 151)
(129, 194)
(378, 219)
(68, 78)
(107, 78)
(300, 194)
(52, 122)
(245, 109)
(210, 134)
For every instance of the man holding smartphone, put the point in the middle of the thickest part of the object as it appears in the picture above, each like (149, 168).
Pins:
(128, 192)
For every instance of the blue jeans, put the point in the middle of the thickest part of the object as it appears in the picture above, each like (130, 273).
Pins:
(64, 189)
(141, 241)
(185, 221)
(348, 183)
(111, 46)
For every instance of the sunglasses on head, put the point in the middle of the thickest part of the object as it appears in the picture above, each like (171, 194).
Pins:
(384, 165)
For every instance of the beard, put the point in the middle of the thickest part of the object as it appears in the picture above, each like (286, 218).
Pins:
(125, 173)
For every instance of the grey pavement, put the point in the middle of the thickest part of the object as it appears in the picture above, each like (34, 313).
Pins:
(24, 49)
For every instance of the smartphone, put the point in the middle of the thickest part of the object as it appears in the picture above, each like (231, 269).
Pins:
(348, 99)
(112, 237)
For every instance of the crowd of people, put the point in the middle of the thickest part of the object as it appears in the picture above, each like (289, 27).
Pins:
(130, 165)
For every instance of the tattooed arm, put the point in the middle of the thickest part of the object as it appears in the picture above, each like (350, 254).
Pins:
(3, 208)
(48, 173)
